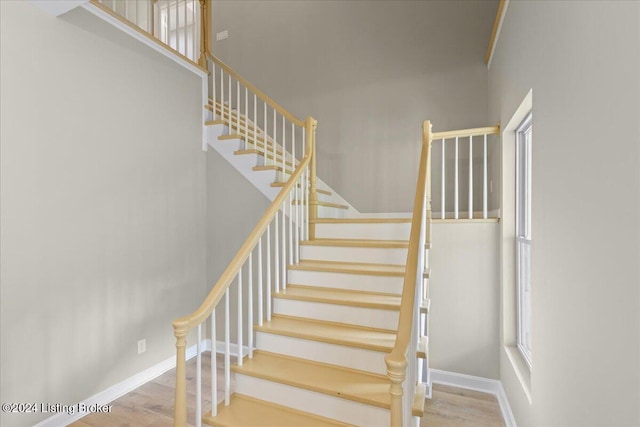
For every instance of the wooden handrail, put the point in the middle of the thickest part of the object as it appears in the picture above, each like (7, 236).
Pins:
(257, 91)
(490, 130)
(184, 324)
(497, 23)
(397, 360)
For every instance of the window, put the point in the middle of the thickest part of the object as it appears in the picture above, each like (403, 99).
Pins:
(523, 236)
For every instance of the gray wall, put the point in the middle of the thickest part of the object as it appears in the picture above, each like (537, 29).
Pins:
(370, 73)
(464, 290)
(103, 209)
(582, 61)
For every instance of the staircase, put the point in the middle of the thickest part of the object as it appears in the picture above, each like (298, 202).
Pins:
(328, 315)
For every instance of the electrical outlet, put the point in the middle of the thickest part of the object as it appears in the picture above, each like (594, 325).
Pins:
(222, 35)
(142, 346)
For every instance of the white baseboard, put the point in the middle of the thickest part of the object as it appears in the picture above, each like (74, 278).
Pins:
(485, 385)
(118, 390)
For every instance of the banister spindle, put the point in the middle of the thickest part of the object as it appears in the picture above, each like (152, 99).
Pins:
(276, 254)
(266, 153)
(202, 60)
(484, 179)
(470, 177)
(291, 225)
(214, 366)
(455, 201)
(275, 138)
(238, 111)
(260, 298)
(255, 123)
(194, 31)
(442, 184)
(269, 272)
(240, 328)
(227, 352)
(250, 306)
(283, 258)
(284, 154)
(230, 120)
(184, 28)
(213, 88)
(246, 118)
(221, 93)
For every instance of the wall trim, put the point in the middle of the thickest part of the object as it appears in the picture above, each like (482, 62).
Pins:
(485, 385)
(120, 389)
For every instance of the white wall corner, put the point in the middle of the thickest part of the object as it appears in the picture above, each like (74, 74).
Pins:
(58, 7)
(485, 385)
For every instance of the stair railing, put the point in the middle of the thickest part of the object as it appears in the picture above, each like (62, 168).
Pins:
(269, 248)
(182, 26)
(403, 367)
(266, 128)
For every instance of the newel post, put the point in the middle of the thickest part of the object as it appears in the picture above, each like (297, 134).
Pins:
(397, 372)
(204, 33)
(311, 125)
(180, 411)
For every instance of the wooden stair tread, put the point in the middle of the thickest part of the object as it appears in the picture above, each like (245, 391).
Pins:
(261, 153)
(350, 267)
(323, 203)
(340, 297)
(246, 411)
(360, 220)
(330, 332)
(272, 167)
(358, 243)
(358, 386)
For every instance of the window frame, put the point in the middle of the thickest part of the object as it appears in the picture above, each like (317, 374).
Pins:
(523, 241)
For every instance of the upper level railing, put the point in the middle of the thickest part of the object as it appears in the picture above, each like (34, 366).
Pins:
(402, 362)
(182, 26)
(463, 171)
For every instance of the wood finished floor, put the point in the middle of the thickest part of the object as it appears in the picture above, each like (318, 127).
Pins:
(151, 405)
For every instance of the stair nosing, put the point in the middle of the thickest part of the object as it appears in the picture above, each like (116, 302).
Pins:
(298, 384)
(329, 300)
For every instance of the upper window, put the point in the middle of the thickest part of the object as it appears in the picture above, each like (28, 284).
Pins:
(524, 137)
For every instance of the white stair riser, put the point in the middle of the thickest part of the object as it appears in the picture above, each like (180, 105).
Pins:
(362, 316)
(341, 355)
(310, 401)
(354, 254)
(375, 231)
(357, 282)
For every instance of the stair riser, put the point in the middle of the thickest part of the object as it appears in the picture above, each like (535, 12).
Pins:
(357, 282)
(362, 316)
(354, 254)
(376, 231)
(327, 212)
(341, 355)
(309, 401)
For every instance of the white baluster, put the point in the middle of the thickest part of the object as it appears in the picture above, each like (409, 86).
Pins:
(260, 298)
(275, 138)
(484, 179)
(184, 28)
(255, 122)
(297, 192)
(455, 208)
(227, 351)
(126, 10)
(199, 378)
(250, 307)
(470, 176)
(240, 328)
(444, 178)
(276, 254)
(194, 32)
(265, 152)
(269, 273)
(284, 154)
(238, 110)
(230, 120)
(283, 258)
(221, 93)
(291, 224)
(177, 28)
(214, 366)
(213, 88)
(306, 201)
(305, 194)
(246, 118)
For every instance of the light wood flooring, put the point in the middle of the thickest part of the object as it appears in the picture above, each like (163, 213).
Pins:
(152, 403)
